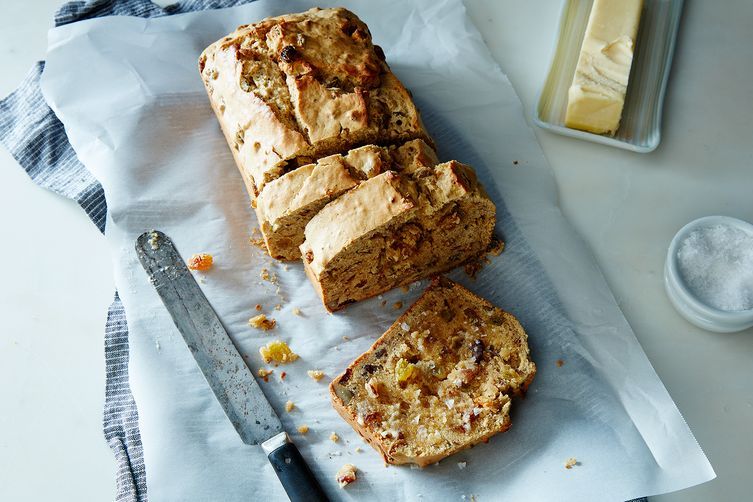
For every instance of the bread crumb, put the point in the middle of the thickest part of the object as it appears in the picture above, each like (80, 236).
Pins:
(346, 338)
(201, 262)
(496, 246)
(397, 305)
(384, 302)
(278, 307)
(571, 462)
(277, 352)
(154, 240)
(303, 429)
(289, 406)
(334, 437)
(264, 373)
(257, 240)
(462, 465)
(559, 363)
(258, 307)
(472, 268)
(346, 475)
(297, 311)
(283, 375)
(315, 374)
(405, 289)
(265, 275)
(262, 322)
(358, 449)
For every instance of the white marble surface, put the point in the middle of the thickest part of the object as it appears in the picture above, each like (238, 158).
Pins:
(57, 275)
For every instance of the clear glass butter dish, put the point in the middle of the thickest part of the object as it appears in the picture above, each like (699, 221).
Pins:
(640, 127)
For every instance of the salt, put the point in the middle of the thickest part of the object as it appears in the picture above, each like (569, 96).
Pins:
(716, 263)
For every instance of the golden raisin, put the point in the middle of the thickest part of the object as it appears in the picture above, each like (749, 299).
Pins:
(200, 261)
(404, 371)
(277, 352)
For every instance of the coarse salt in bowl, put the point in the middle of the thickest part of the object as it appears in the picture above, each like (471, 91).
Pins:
(708, 273)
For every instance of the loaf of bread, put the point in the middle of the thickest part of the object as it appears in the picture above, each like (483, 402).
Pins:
(289, 90)
(396, 228)
(439, 380)
(287, 204)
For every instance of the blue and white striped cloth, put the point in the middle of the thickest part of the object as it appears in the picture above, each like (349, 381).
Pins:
(35, 137)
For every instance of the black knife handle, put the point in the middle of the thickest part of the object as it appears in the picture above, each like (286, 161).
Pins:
(296, 477)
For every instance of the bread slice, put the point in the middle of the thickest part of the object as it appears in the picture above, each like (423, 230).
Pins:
(287, 204)
(394, 229)
(295, 88)
(439, 380)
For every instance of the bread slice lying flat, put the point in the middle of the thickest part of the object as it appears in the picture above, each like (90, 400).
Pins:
(287, 203)
(396, 228)
(439, 380)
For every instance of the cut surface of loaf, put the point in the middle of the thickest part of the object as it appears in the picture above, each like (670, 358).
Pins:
(396, 228)
(439, 380)
(287, 203)
(291, 89)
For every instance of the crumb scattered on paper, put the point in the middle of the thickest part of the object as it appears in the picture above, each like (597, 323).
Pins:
(405, 289)
(264, 373)
(297, 311)
(346, 475)
(289, 406)
(397, 305)
(571, 462)
(462, 465)
(262, 322)
(315, 374)
(283, 375)
(257, 240)
(496, 246)
(559, 363)
(472, 268)
(258, 307)
(303, 429)
(334, 437)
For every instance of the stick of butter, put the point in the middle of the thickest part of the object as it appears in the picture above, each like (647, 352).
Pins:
(597, 95)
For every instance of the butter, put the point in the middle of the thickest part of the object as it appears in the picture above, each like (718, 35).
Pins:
(597, 94)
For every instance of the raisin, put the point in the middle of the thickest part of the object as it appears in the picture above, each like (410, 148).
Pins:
(289, 54)
(349, 28)
(477, 350)
(369, 368)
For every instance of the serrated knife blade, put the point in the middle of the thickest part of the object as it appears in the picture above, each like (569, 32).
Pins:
(223, 367)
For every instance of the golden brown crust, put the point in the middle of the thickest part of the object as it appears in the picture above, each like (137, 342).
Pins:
(394, 229)
(289, 202)
(295, 88)
(447, 400)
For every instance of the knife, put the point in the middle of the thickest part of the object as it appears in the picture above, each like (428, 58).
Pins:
(223, 367)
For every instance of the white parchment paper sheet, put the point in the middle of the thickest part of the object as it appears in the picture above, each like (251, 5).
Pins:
(129, 94)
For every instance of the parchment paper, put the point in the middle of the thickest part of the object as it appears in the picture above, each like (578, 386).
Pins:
(129, 94)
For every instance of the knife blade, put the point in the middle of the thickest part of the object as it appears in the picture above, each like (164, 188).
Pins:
(223, 367)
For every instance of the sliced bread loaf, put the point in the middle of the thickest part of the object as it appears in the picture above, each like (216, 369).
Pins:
(287, 203)
(394, 229)
(291, 89)
(439, 380)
